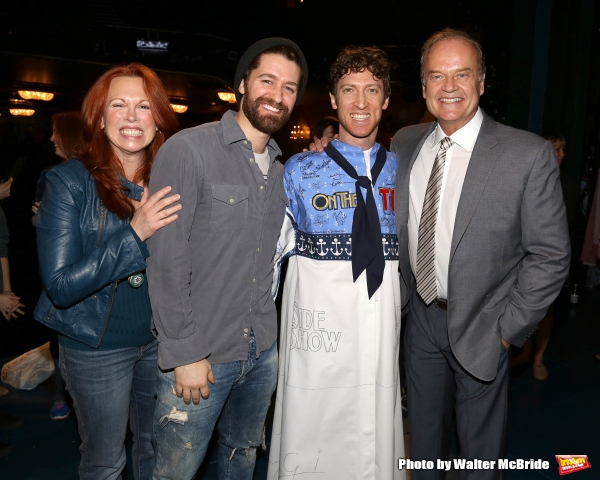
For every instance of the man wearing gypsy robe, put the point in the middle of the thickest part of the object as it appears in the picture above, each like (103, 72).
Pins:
(338, 410)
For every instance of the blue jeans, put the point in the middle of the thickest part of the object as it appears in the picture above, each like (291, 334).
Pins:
(237, 405)
(110, 388)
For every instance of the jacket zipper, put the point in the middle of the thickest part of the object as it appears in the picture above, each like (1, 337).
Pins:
(112, 299)
(102, 216)
(49, 313)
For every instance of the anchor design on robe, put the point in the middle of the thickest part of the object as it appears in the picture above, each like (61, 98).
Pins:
(385, 243)
(301, 246)
(349, 252)
(336, 252)
(394, 248)
(321, 243)
(310, 246)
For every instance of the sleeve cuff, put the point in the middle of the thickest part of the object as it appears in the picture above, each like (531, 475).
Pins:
(175, 353)
(142, 245)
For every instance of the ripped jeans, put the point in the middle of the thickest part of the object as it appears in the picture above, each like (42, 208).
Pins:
(237, 405)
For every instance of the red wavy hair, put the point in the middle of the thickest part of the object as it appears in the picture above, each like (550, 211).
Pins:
(96, 152)
(67, 132)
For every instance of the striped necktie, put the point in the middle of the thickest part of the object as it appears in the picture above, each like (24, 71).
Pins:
(426, 281)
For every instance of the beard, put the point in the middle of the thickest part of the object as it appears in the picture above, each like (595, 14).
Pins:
(265, 123)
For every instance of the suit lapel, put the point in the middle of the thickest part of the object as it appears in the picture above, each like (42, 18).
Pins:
(412, 147)
(480, 166)
(417, 143)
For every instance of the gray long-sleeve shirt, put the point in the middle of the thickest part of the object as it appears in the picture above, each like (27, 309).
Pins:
(210, 271)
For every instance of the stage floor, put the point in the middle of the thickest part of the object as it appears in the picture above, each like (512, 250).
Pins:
(557, 416)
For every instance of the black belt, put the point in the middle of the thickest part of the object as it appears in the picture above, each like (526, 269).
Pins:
(441, 303)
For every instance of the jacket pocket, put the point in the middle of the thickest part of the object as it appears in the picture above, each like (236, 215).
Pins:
(229, 208)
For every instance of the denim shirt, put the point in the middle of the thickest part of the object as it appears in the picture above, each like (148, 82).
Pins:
(83, 250)
(210, 271)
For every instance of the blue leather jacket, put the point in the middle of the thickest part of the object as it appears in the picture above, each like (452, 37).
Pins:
(84, 250)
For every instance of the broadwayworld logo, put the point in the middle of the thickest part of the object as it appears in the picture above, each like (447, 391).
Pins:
(475, 464)
(572, 463)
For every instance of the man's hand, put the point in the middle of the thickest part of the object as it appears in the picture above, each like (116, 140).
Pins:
(192, 381)
(318, 145)
(506, 344)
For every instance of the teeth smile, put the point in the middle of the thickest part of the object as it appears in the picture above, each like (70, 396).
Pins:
(131, 133)
(357, 116)
(272, 109)
(450, 100)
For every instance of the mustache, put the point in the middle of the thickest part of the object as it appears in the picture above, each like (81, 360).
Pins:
(278, 105)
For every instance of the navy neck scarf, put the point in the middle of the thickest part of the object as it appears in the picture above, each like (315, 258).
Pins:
(367, 252)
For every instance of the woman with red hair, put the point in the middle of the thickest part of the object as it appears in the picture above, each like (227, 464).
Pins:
(92, 225)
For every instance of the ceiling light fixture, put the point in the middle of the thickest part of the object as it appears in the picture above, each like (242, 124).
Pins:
(30, 95)
(23, 112)
(227, 96)
(300, 133)
(179, 108)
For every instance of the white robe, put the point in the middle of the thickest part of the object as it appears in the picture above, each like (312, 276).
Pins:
(338, 411)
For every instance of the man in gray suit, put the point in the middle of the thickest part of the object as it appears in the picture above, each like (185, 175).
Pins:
(484, 250)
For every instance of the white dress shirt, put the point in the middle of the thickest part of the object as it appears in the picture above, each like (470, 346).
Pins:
(455, 169)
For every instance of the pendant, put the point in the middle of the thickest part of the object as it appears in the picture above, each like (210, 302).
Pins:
(136, 280)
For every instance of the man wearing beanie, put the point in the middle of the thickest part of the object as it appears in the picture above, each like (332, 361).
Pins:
(210, 273)
(338, 412)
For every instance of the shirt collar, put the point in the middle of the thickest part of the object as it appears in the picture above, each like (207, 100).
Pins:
(345, 147)
(233, 133)
(465, 137)
(133, 190)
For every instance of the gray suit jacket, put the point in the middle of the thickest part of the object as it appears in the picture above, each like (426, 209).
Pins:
(510, 247)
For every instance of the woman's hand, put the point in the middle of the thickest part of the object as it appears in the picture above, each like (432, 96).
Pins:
(10, 305)
(5, 189)
(34, 208)
(152, 214)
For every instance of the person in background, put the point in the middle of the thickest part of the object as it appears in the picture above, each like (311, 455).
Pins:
(590, 254)
(92, 225)
(326, 129)
(9, 302)
(66, 136)
(10, 306)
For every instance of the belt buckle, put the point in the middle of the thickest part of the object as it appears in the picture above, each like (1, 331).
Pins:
(441, 303)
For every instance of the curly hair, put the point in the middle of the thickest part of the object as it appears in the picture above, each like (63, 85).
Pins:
(96, 152)
(452, 34)
(355, 59)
